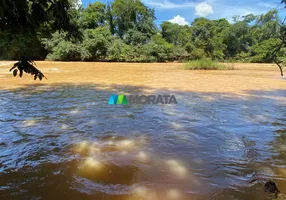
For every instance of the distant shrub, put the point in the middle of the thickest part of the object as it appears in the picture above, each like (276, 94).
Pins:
(207, 65)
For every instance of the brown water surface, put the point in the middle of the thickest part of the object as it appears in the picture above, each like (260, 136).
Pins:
(61, 140)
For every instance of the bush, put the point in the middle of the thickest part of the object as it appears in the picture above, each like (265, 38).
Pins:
(65, 51)
(206, 65)
(118, 51)
(94, 47)
(261, 51)
(61, 49)
(157, 50)
(96, 44)
(13, 47)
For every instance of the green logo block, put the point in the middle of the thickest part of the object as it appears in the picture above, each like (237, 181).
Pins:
(122, 100)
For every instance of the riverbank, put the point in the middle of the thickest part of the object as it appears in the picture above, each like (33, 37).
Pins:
(170, 76)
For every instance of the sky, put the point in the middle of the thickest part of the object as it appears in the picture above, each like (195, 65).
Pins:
(185, 11)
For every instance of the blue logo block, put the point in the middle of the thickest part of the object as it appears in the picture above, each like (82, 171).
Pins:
(113, 99)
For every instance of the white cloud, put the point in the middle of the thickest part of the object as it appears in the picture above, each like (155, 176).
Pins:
(203, 9)
(78, 4)
(214, 9)
(165, 4)
(228, 11)
(266, 5)
(179, 20)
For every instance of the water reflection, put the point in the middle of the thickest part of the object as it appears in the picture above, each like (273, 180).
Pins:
(66, 142)
(177, 168)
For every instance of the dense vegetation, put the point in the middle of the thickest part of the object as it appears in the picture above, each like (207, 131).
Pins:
(125, 31)
(206, 64)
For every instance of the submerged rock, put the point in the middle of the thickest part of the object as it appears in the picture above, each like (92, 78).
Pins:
(270, 187)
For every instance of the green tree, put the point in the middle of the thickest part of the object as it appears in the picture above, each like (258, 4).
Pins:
(158, 49)
(28, 15)
(118, 51)
(60, 48)
(237, 39)
(206, 35)
(175, 33)
(134, 16)
(13, 46)
(96, 43)
(24, 22)
(93, 16)
(260, 51)
(109, 18)
(270, 34)
(94, 46)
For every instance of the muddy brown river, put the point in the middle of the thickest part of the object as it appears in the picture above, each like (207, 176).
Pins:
(60, 139)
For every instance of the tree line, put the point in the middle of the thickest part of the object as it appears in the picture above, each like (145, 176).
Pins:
(125, 31)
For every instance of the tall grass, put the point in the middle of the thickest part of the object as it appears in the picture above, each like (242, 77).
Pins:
(207, 65)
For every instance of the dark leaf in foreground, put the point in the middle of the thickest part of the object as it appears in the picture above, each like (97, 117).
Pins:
(27, 65)
(15, 72)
